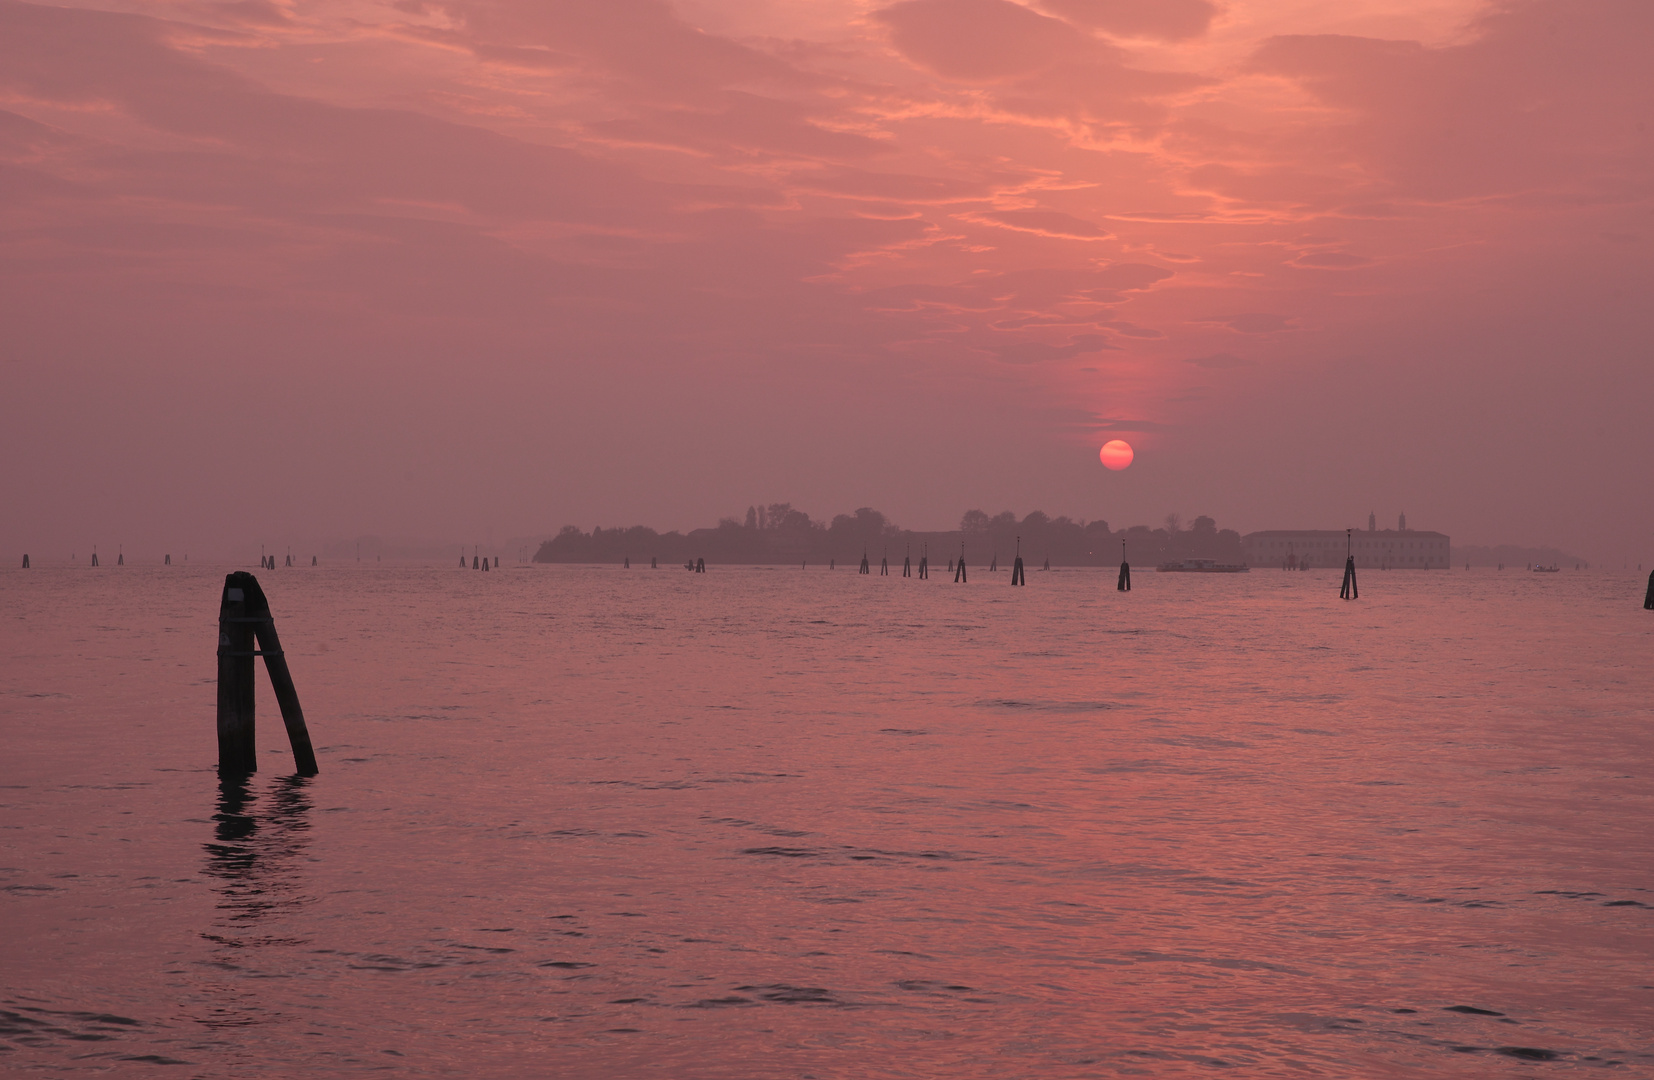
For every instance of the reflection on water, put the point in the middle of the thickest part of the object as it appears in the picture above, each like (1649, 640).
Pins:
(253, 857)
(752, 824)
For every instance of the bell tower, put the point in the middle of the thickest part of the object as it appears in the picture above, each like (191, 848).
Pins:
(1403, 525)
(1372, 522)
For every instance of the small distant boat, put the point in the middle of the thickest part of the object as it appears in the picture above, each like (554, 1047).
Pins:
(1203, 566)
(1545, 569)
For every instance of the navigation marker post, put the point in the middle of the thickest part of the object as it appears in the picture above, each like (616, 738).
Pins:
(1018, 577)
(1124, 584)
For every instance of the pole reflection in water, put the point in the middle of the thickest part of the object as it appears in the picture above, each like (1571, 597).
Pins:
(253, 856)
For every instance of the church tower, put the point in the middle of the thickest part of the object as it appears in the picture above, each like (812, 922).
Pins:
(1372, 522)
(1403, 525)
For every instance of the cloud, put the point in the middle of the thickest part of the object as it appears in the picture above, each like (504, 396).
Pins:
(1220, 361)
(1168, 20)
(1038, 352)
(980, 40)
(1541, 93)
(1330, 260)
(1253, 322)
(1052, 223)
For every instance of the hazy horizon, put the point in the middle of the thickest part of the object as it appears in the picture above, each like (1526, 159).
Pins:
(473, 268)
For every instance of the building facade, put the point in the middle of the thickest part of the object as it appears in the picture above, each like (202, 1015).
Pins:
(1378, 549)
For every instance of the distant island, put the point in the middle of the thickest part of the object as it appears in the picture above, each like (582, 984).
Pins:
(778, 534)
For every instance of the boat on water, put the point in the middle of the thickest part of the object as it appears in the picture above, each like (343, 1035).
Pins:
(1203, 566)
(1546, 569)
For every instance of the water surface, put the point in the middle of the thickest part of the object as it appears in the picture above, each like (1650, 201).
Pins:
(588, 822)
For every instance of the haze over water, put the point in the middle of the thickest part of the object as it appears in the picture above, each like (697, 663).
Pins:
(587, 822)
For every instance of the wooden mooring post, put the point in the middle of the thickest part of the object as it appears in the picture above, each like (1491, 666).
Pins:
(1124, 584)
(26, 562)
(959, 575)
(864, 569)
(1648, 601)
(243, 620)
(924, 564)
(1018, 575)
(1348, 591)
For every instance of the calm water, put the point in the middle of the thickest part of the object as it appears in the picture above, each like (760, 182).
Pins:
(586, 822)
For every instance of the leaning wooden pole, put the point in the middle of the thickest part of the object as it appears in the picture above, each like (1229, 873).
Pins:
(1648, 601)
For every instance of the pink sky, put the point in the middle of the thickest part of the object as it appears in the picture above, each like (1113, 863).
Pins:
(280, 271)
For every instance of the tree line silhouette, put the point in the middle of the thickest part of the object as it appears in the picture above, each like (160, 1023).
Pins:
(778, 534)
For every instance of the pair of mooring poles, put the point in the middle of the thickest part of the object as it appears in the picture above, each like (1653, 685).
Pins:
(243, 620)
(1349, 591)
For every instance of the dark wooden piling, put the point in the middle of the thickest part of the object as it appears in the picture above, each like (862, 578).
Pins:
(959, 575)
(1018, 575)
(1124, 584)
(243, 619)
(1348, 590)
(652, 565)
(94, 558)
(924, 564)
(237, 752)
(864, 569)
(700, 566)
(993, 564)
(120, 558)
(312, 560)
(626, 563)
(884, 566)
(26, 561)
(907, 565)
(475, 564)
(1648, 601)
(167, 561)
(1047, 565)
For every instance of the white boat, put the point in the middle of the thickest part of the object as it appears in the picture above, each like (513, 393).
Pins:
(1203, 566)
(1545, 569)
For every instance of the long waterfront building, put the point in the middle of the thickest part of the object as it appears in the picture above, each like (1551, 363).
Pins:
(1386, 549)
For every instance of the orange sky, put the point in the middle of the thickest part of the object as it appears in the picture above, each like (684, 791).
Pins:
(283, 271)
